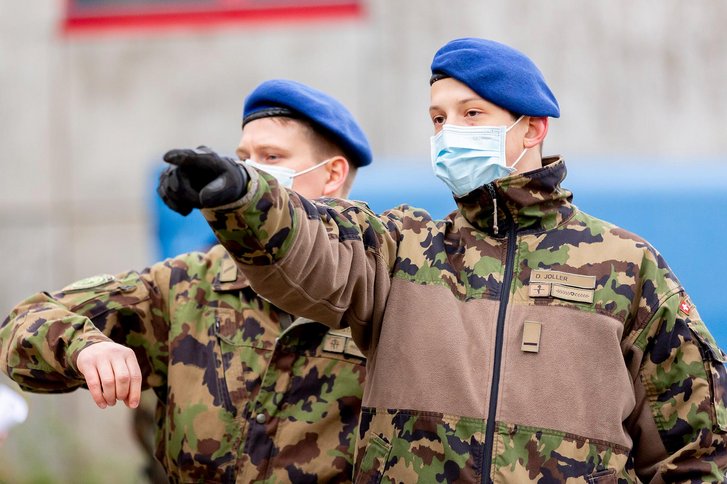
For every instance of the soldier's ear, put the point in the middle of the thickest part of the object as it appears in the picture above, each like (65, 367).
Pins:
(337, 170)
(537, 130)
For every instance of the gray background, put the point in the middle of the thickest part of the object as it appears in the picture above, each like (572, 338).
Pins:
(86, 117)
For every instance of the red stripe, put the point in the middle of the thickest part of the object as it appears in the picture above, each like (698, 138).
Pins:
(156, 20)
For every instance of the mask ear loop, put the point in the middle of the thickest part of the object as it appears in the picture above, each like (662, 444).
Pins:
(525, 150)
(513, 124)
(303, 172)
(519, 158)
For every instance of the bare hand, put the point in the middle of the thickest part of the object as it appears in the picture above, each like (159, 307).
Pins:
(112, 373)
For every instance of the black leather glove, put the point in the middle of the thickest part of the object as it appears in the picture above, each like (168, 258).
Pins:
(200, 178)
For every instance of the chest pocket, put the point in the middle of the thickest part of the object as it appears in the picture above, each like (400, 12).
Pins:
(246, 327)
(245, 340)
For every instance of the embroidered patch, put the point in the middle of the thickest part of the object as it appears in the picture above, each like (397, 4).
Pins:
(572, 293)
(89, 282)
(334, 343)
(340, 341)
(539, 290)
(685, 306)
(563, 278)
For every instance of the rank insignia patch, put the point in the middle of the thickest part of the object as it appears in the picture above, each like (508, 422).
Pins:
(89, 282)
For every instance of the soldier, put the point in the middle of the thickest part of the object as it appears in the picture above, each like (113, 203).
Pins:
(518, 339)
(247, 392)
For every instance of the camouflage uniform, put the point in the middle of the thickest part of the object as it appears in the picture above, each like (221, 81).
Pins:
(240, 400)
(519, 339)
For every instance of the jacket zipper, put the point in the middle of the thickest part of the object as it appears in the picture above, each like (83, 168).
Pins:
(499, 334)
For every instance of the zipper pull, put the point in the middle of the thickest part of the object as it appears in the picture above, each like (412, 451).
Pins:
(495, 229)
(491, 190)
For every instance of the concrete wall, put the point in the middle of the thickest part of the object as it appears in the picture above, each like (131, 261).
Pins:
(85, 119)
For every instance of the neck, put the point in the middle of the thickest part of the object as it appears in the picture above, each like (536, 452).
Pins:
(530, 161)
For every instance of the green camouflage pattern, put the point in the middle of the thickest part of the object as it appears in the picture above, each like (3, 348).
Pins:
(241, 399)
(676, 428)
(524, 453)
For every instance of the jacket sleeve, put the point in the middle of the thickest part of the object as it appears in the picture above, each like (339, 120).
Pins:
(681, 396)
(41, 338)
(328, 261)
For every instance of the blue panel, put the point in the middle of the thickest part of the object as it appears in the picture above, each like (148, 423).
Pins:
(173, 233)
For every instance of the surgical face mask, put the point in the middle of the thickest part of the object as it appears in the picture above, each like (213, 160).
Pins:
(468, 157)
(283, 174)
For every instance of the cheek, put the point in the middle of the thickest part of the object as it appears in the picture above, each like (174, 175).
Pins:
(311, 184)
(513, 147)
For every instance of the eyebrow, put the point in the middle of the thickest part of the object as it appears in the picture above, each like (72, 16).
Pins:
(270, 147)
(463, 101)
(264, 147)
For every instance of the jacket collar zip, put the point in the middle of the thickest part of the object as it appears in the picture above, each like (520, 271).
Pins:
(491, 190)
(532, 201)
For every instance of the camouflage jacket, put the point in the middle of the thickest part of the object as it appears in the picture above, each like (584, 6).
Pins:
(239, 399)
(519, 339)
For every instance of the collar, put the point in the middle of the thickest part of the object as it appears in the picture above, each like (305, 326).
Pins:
(532, 201)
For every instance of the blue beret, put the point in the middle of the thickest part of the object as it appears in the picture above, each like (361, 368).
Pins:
(280, 97)
(499, 74)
